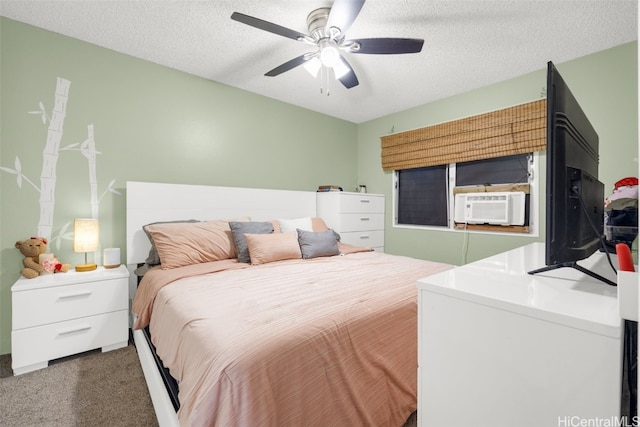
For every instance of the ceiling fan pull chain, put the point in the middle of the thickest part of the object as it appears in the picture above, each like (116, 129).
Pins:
(326, 80)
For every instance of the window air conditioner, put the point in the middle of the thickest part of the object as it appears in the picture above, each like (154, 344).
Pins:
(499, 208)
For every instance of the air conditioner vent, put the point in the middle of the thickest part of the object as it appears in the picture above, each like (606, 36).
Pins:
(499, 208)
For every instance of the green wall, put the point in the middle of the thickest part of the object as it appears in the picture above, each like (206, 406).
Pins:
(153, 123)
(606, 86)
(150, 123)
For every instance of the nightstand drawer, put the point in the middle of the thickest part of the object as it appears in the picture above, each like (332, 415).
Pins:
(361, 222)
(43, 343)
(369, 239)
(47, 305)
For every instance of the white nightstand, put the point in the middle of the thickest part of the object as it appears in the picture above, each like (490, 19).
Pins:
(57, 315)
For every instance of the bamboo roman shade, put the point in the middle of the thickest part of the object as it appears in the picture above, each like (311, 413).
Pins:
(513, 130)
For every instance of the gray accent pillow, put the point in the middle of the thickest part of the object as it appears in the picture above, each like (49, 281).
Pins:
(240, 228)
(141, 271)
(154, 258)
(318, 243)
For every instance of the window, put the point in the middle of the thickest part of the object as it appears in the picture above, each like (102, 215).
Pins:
(422, 192)
(500, 170)
(425, 196)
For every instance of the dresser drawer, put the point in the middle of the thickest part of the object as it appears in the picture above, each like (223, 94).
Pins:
(47, 305)
(356, 203)
(338, 203)
(369, 239)
(43, 343)
(361, 222)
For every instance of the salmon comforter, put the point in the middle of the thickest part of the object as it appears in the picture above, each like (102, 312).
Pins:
(323, 341)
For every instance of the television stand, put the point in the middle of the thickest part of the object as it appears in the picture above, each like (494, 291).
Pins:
(577, 267)
(528, 350)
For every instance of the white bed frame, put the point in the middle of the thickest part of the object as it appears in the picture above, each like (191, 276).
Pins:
(150, 202)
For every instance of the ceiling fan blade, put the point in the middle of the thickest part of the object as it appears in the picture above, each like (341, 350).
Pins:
(349, 79)
(386, 46)
(289, 65)
(343, 13)
(267, 26)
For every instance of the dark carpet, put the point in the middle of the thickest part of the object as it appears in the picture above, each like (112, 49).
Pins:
(89, 389)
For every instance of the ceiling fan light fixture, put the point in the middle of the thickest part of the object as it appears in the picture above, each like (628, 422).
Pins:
(313, 66)
(340, 69)
(329, 55)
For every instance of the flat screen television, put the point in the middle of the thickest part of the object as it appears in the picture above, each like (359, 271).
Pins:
(574, 196)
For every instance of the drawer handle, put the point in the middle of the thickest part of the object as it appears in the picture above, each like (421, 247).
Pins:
(75, 294)
(365, 236)
(365, 218)
(73, 329)
(364, 200)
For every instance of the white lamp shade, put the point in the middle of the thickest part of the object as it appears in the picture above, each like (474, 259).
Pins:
(340, 69)
(329, 55)
(313, 66)
(86, 233)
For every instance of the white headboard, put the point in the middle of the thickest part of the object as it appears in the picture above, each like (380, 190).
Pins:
(149, 202)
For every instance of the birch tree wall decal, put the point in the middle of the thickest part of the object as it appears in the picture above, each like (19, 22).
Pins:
(88, 150)
(50, 156)
(18, 172)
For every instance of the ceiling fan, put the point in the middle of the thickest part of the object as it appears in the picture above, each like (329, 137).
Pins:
(327, 29)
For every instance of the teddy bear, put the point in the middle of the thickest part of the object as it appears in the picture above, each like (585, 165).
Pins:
(32, 249)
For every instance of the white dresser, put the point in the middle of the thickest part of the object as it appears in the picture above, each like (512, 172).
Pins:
(358, 217)
(499, 347)
(61, 314)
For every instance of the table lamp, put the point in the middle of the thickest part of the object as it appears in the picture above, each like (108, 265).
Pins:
(85, 239)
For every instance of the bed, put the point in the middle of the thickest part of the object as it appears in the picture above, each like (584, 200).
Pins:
(286, 327)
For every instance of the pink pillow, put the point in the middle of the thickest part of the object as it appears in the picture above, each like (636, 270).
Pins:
(264, 248)
(181, 244)
(317, 224)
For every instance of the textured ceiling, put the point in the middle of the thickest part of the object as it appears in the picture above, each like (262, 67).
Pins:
(468, 44)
